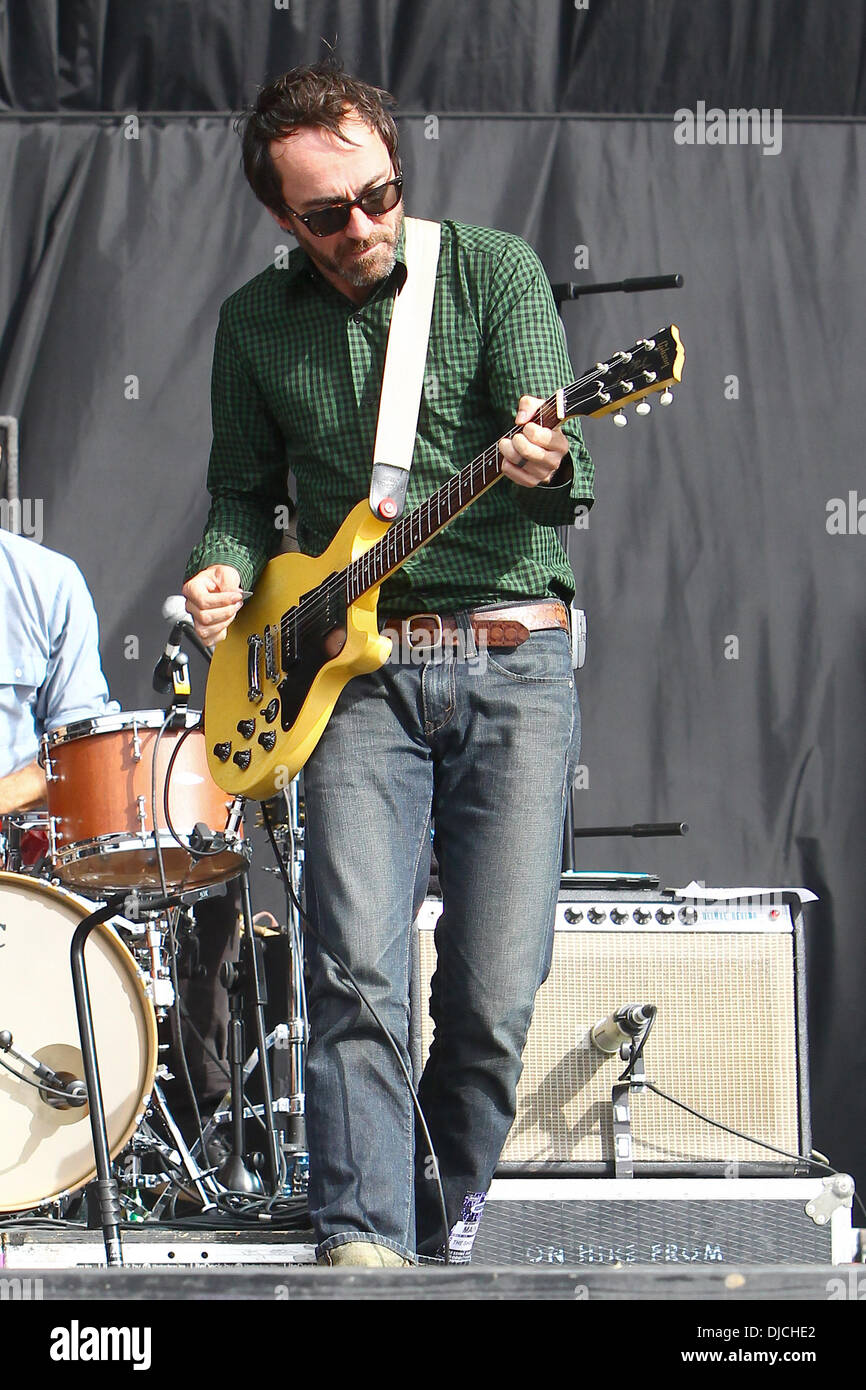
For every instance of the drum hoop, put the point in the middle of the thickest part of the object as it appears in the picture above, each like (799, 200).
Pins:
(119, 841)
(113, 724)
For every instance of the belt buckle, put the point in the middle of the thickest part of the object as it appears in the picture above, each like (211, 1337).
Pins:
(433, 639)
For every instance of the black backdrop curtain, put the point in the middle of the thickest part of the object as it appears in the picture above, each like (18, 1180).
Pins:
(722, 565)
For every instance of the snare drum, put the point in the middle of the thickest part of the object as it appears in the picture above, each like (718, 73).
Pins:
(101, 829)
(24, 842)
(47, 1152)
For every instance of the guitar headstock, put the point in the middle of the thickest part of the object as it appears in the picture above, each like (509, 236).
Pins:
(649, 368)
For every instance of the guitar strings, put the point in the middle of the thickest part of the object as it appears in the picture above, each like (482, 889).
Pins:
(311, 609)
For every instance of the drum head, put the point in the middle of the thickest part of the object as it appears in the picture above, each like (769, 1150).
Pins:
(45, 1152)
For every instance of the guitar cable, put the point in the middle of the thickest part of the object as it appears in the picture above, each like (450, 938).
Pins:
(386, 1032)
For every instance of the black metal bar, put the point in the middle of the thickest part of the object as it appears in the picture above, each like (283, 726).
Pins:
(106, 1187)
(257, 980)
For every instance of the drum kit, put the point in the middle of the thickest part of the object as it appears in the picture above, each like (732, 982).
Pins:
(135, 833)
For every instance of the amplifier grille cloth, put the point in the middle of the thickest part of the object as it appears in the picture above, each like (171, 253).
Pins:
(723, 1042)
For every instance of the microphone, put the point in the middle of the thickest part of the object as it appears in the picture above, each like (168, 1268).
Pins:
(174, 610)
(162, 671)
(72, 1092)
(622, 1026)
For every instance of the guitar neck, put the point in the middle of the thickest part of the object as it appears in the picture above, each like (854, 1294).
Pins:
(648, 368)
(408, 535)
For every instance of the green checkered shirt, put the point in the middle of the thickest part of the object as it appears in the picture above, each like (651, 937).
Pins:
(296, 379)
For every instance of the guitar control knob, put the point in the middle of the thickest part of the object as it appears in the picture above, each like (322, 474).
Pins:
(595, 915)
(268, 740)
(270, 711)
(222, 751)
(243, 759)
(573, 915)
(642, 916)
(247, 727)
(665, 915)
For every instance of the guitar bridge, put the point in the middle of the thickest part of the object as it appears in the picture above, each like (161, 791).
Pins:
(254, 647)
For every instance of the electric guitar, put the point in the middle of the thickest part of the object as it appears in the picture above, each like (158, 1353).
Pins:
(275, 679)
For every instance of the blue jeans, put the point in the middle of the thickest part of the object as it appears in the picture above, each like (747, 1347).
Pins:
(486, 744)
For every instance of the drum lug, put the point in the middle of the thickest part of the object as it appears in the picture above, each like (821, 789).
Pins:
(46, 765)
(136, 742)
(142, 815)
(52, 838)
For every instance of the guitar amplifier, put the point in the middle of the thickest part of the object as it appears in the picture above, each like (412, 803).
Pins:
(727, 978)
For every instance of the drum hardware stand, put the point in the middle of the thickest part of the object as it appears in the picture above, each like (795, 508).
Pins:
(234, 1174)
(194, 1173)
(128, 905)
(233, 978)
(290, 1039)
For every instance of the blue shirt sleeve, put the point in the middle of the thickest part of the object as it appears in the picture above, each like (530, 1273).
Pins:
(50, 671)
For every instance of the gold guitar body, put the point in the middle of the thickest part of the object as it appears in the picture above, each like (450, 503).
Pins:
(284, 581)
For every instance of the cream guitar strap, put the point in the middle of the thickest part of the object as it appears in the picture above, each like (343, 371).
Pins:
(403, 373)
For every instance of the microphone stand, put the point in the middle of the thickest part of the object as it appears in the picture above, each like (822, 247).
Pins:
(106, 1187)
(563, 293)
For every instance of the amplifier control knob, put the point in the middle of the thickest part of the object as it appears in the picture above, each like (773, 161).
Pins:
(642, 915)
(665, 915)
(688, 915)
(573, 915)
(618, 916)
(596, 915)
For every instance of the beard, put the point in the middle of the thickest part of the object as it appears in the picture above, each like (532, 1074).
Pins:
(360, 263)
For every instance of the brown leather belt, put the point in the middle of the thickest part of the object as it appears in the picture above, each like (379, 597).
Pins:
(504, 627)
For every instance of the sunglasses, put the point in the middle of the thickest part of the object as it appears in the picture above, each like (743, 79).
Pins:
(373, 203)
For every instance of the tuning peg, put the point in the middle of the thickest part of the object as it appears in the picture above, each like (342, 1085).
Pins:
(620, 419)
(642, 408)
(666, 397)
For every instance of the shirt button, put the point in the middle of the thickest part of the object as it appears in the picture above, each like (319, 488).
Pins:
(18, 673)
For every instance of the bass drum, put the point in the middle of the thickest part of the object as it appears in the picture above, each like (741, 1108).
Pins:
(47, 1153)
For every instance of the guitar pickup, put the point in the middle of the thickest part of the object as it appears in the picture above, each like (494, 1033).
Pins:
(254, 690)
(289, 652)
(270, 655)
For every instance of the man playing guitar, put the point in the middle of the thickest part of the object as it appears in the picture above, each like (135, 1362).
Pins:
(476, 735)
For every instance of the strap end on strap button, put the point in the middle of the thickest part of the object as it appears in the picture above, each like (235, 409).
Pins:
(388, 509)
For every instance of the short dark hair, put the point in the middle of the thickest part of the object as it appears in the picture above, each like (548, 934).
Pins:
(316, 97)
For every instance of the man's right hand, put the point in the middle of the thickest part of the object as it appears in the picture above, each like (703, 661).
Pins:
(213, 598)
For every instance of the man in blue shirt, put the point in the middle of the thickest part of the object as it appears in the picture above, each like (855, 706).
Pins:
(50, 672)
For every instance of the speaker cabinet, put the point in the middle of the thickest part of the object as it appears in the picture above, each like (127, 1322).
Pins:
(729, 1040)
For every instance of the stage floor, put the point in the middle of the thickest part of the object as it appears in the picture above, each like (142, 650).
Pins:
(179, 1263)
